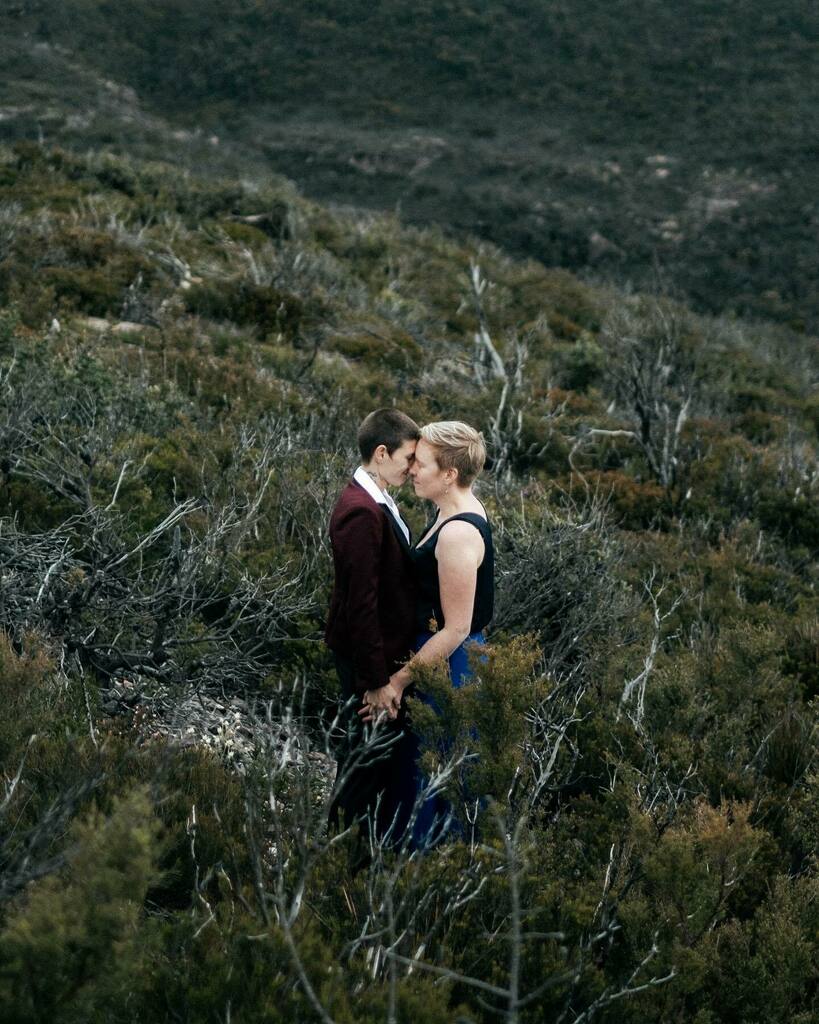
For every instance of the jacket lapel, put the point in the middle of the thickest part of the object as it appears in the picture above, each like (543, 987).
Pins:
(399, 533)
(396, 529)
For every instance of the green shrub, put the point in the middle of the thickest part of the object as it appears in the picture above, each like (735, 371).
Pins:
(244, 233)
(488, 715)
(381, 346)
(635, 504)
(73, 945)
(262, 307)
(91, 291)
(27, 691)
(794, 517)
(9, 325)
(801, 656)
(762, 970)
(581, 366)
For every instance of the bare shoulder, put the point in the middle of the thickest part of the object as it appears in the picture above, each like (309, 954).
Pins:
(458, 538)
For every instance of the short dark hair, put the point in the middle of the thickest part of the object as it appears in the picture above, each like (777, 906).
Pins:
(389, 427)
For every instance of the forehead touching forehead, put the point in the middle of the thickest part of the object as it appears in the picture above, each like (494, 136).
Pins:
(406, 449)
(424, 453)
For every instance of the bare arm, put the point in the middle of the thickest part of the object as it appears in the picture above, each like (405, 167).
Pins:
(460, 551)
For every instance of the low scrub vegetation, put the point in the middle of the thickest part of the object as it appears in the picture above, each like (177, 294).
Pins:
(632, 776)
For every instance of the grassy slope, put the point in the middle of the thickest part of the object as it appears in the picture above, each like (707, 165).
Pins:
(530, 124)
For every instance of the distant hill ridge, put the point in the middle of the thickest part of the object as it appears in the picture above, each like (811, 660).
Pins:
(660, 68)
(548, 117)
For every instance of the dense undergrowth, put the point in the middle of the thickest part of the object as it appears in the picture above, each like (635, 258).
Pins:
(182, 367)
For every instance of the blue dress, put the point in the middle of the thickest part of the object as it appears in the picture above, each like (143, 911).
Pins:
(433, 821)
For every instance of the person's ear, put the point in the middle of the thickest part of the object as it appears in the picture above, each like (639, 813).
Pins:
(380, 453)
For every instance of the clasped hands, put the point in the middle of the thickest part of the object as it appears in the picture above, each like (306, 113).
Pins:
(383, 702)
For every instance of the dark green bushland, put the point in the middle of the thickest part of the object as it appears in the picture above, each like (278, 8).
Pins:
(632, 770)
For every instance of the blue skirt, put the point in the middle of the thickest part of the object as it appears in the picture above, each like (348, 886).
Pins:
(433, 821)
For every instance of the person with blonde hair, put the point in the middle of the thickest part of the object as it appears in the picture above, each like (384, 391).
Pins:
(454, 569)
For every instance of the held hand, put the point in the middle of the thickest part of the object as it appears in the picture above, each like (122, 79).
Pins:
(386, 700)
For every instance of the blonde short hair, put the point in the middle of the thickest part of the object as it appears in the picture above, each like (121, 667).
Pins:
(457, 446)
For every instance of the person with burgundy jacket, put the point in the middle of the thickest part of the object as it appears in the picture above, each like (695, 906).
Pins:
(371, 621)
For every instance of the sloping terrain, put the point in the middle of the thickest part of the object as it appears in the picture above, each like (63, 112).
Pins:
(183, 363)
(668, 147)
(187, 344)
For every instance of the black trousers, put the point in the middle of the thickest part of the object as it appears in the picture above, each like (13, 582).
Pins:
(370, 762)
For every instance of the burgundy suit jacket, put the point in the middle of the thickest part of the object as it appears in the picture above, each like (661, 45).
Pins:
(371, 621)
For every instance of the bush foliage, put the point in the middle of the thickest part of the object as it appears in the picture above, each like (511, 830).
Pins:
(632, 771)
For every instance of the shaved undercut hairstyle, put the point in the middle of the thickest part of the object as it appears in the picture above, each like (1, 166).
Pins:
(389, 427)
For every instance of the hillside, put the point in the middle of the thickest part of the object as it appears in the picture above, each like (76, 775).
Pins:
(183, 362)
(665, 147)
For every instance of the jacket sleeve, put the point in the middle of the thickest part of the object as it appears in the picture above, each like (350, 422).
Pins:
(358, 540)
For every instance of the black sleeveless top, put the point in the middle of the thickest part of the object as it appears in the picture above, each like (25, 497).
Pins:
(430, 614)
